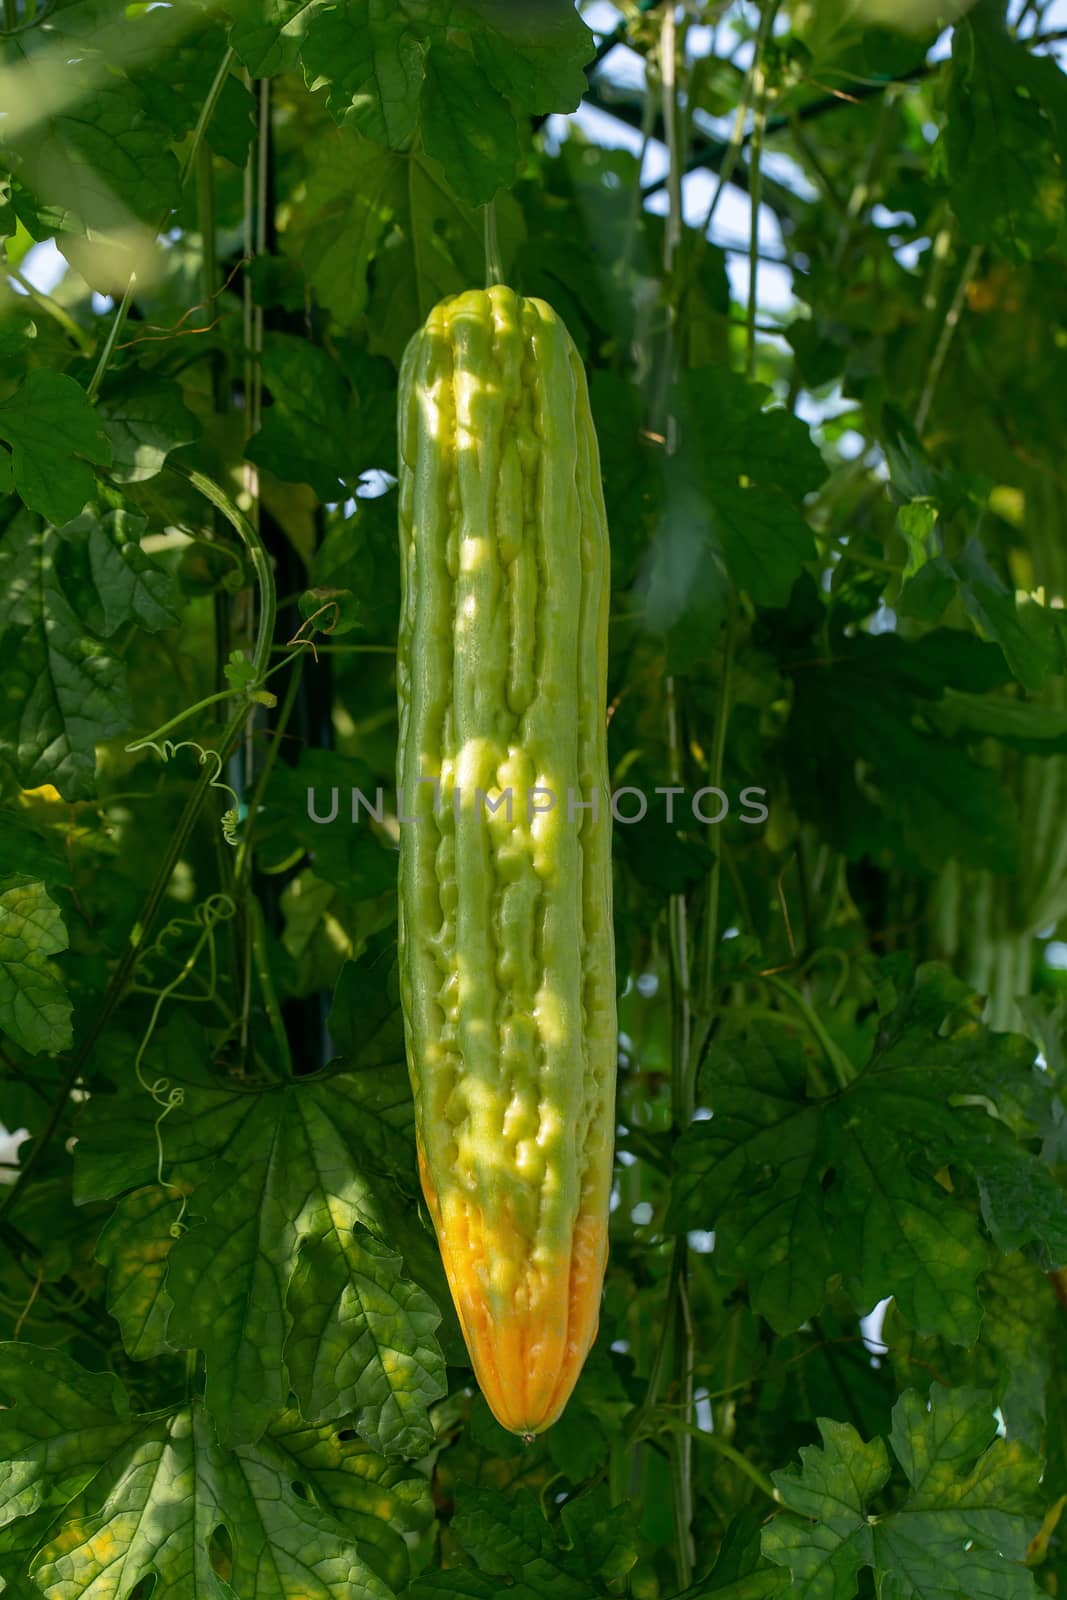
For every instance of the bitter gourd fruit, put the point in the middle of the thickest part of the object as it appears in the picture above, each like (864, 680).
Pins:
(506, 949)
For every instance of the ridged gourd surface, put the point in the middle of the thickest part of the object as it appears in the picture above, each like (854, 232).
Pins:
(507, 957)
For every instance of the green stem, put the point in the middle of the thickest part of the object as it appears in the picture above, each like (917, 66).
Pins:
(258, 556)
(266, 985)
(81, 338)
(648, 122)
(733, 150)
(108, 351)
(731, 1453)
(841, 548)
(840, 1065)
(948, 332)
(183, 716)
(494, 271)
(759, 82)
(206, 112)
(718, 761)
(244, 849)
(659, 1360)
(678, 1320)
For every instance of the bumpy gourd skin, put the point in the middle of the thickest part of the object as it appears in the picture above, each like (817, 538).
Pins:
(506, 948)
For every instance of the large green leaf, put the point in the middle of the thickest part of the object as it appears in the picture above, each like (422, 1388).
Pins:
(799, 1184)
(55, 440)
(962, 1529)
(65, 691)
(169, 1505)
(34, 1008)
(1005, 185)
(460, 74)
(369, 210)
(285, 1228)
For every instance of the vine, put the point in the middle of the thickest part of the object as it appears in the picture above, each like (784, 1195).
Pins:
(217, 908)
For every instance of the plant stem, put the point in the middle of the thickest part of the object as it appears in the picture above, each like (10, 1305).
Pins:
(494, 271)
(678, 1320)
(244, 849)
(258, 556)
(731, 157)
(81, 338)
(669, 72)
(948, 332)
(839, 1062)
(718, 758)
(206, 113)
(759, 90)
(108, 351)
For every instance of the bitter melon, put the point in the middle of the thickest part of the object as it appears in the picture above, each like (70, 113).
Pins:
(506, 949)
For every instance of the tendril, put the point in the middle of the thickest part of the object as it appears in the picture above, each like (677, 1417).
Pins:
(205, 919)
(166, 750)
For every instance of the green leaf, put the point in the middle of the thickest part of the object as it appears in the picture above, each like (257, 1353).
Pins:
(459, 73)
(892, 787)
(175, 76)
(267, 34)
(380, 1503)
(534, 51)
(961, 1530)
(292, 1169)
(34, 1009)
(54, 435)
(98, 159)
(1005, 184)
(825, 1555)
(58, 1426)
(367, 204)
(362, 1340)
(764, 1124)
(741, 1571)
(102, 561)
(65, 691)
(1024, 630)
(365, 1021)
(508, 1537)
(145, 419)
(346, 853)
(154, 1510)
(229, 1277)
(135, 1245)
(318, 429)
(355, 565)
(577, 1443)
(372, 61)
(916, 522)
(466, 125)
(731, 513)
(1022, 724)
(772, 448)
(8, 220)
(799, 1185)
